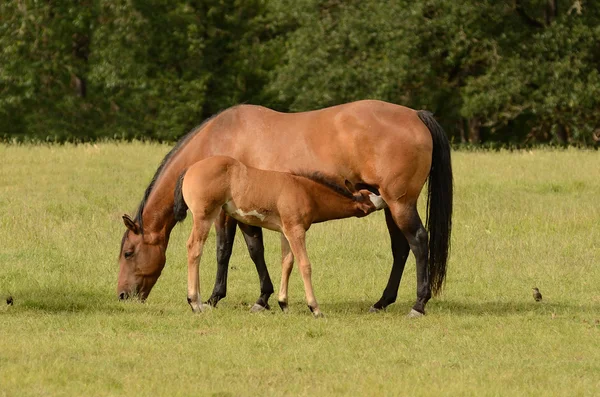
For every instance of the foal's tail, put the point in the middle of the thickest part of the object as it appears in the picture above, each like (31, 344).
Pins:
(439, 202)
(179, 207)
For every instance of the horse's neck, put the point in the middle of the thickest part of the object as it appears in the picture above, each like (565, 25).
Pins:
(158, 216)
(159, 223)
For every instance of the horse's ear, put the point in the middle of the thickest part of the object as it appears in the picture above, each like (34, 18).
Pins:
(130, 224)
(349, 186)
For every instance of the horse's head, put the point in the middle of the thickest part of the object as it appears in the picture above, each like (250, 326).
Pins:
(141, 261)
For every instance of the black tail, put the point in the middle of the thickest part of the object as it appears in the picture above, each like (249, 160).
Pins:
(179, 207)
(439, 203)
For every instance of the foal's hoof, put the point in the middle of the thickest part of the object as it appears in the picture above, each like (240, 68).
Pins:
(315, 311)
(199, 307)
(373, 309)
(414, 314)
(283, 306)
(258, 308)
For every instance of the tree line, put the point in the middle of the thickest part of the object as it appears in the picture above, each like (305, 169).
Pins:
(499, 72)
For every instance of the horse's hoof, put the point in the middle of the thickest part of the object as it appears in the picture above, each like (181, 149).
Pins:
(257, 308)
(414, 314)
(212, 301)
(318, 315)
(373, 309)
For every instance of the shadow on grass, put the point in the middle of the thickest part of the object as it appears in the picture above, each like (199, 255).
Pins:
(57, 300)
(503, 308)
(462, 308)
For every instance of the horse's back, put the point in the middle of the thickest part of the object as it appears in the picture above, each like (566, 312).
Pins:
(368, 141)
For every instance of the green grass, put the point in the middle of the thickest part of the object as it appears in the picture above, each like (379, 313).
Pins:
(522, 219)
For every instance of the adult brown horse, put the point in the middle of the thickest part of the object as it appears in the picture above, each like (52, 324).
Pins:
(370, 143)
(278, 201)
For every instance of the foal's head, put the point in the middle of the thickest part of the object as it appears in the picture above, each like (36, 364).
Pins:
(366, 201)
(141, 261)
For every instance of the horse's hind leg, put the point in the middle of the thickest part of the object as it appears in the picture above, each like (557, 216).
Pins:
(225, 227)
(287, 263)
(400, 251)
(254, 240)
(195, 247)
(408, 220)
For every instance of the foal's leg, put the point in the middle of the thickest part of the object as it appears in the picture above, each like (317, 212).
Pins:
(287, 263)
(195, 247)
(408, 220)
(297, 240)
(254, 240)
(225, 227)
(400, 251)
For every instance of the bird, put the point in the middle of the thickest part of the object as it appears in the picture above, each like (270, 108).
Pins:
(9, 301)
(536, 294)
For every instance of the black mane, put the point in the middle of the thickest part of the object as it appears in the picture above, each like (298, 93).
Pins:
(138, 216)
(139, 219)
(164, 162)
(327, 181)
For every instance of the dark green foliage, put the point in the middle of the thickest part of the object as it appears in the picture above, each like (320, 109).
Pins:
(500, 72)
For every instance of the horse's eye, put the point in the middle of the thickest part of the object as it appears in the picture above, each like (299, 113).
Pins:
(128, 254)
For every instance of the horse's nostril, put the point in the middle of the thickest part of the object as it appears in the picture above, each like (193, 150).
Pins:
(122, 296)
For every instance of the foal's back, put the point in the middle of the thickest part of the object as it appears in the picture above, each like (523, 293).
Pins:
(249, 195)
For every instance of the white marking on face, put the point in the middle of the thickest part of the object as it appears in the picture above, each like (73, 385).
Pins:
(253, 213)
(377, 201)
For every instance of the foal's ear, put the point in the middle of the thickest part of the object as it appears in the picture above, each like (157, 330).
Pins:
(130, 224)
(349, 186)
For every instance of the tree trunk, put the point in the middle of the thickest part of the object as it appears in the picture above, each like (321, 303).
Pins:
(562, 134)
(474, 128)
(80, 50)
(551, 11)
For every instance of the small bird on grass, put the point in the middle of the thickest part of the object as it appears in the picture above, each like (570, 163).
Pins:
(537, 295)
(9, 301)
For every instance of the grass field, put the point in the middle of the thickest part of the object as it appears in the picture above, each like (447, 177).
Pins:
(521, 220)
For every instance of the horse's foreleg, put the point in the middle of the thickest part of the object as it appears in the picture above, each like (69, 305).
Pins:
(225, 227)
(296, 238)
(408, 220)
(195, 247)
(287, 263)
(254, 240)
(400, 251)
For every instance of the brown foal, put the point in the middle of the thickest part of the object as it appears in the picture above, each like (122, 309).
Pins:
(278, 201)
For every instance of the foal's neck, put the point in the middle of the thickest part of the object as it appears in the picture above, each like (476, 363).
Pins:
(331, 204)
